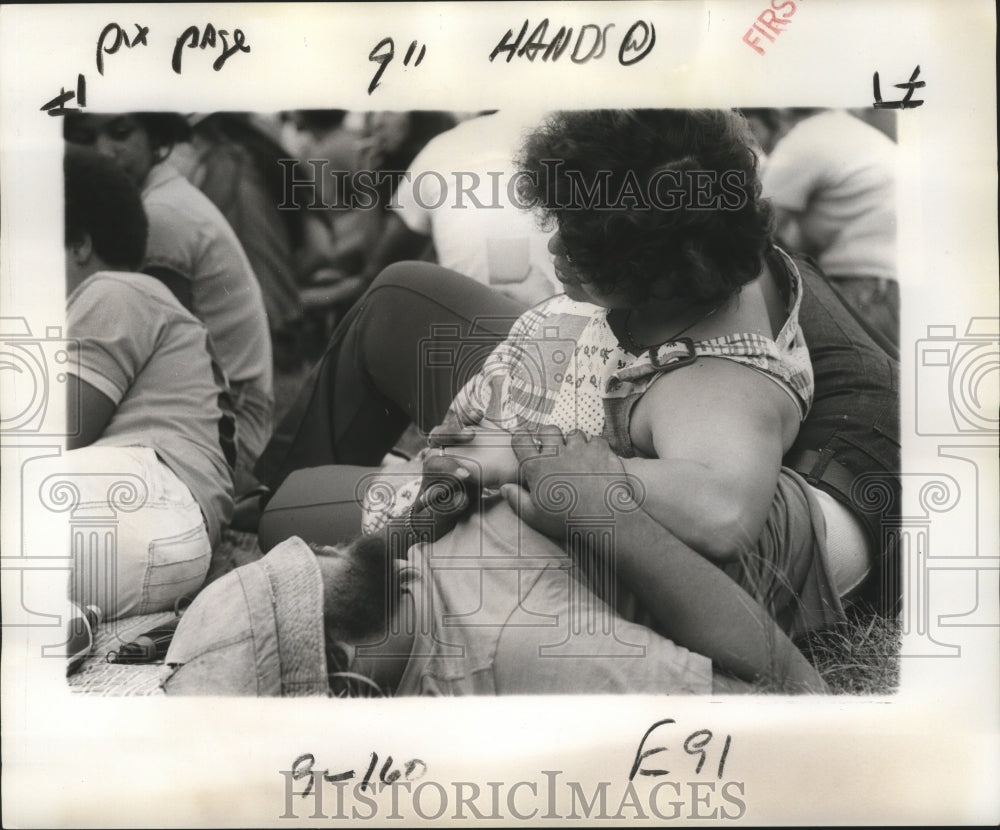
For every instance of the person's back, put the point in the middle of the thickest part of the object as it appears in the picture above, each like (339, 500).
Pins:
(189, 237)
(460, 192)
(838, 174)
(150, 356)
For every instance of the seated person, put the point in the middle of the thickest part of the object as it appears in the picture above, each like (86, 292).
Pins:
(461, 195)
(832, 179)
(194, 251)
(788, 568)
(154, 425)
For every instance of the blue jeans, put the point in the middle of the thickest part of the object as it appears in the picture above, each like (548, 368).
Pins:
(849, 444)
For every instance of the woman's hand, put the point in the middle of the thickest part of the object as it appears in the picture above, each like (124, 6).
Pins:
(565, 477)
(484, 453)
(456, 428)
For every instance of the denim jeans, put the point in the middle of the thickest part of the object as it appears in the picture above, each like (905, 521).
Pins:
(134, 532)
(849, 444)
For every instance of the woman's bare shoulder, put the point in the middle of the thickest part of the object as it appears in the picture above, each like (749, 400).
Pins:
(708, 396)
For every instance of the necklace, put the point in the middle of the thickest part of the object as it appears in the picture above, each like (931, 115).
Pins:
(633, 346)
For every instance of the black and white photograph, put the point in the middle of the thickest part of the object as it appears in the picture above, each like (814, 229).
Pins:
(587, 413)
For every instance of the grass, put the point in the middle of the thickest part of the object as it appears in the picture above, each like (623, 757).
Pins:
(860, 656)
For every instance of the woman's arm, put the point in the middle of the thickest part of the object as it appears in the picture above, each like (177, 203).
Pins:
(715, 432)
(693, 602)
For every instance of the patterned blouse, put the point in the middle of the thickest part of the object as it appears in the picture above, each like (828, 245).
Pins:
(562, 364)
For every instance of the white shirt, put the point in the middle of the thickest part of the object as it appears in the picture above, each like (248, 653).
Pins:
(839, 174)
(459, 193)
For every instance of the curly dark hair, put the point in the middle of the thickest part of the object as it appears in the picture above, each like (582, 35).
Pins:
(651, 198)
(103, 203)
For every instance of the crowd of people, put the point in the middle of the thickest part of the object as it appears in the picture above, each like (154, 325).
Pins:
(652, 353)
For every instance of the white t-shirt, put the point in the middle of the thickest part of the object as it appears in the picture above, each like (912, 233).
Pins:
(143, 350)
(839, 174)
(458, 193)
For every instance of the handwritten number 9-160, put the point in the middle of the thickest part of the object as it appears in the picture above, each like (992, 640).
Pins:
(303, 768)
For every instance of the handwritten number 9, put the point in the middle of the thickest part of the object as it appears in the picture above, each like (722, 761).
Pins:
(303, 768)
(384, 52)
(382, 58)
(695, 745)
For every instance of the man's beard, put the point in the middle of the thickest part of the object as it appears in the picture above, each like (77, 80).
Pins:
(366, 595)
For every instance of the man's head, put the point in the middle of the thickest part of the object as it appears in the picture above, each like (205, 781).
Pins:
(282, 626)
(105, 224)
(136, 141)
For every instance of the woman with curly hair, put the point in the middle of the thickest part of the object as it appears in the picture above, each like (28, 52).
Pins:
(692, 366)
(694, 354)
(677, 357)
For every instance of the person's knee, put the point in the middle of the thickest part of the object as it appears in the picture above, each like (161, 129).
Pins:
(414, 277)
(397, 286)
(318, 504)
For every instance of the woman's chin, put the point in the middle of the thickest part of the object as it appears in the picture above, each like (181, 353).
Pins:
(574, 292)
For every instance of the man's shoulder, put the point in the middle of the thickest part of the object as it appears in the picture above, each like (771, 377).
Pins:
(178, 201)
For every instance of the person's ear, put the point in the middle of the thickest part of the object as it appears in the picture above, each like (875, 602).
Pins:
(162, 149)
(82, 249)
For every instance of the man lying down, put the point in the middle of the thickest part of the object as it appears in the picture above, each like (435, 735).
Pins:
(492, 606)
(312, 620)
